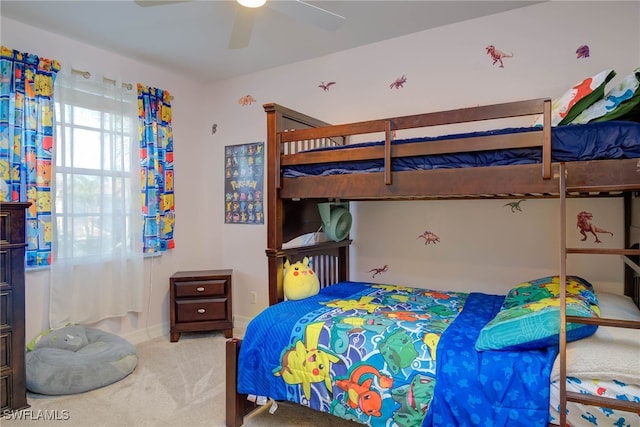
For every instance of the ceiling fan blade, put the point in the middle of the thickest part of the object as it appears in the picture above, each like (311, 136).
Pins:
(146, 3)
(242, 27)
(309, 13)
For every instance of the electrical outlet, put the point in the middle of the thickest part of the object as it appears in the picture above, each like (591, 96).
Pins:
(253, 297)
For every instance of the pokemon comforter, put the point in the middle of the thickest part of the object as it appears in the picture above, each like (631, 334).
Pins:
(368, 353)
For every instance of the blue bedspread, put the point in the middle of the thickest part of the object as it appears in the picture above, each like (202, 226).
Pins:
(593, 141)
(368, 353)
(490, 388)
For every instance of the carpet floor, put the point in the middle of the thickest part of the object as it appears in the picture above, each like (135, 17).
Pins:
(174, 384)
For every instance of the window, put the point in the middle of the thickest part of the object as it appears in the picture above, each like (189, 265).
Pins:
(97, 269)
(94, 169)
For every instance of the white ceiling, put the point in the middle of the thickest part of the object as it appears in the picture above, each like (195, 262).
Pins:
(192, 37)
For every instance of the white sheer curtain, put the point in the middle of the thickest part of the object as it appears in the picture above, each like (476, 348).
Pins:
(97, 267)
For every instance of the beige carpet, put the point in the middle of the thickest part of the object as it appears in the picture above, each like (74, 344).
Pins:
(174, 384)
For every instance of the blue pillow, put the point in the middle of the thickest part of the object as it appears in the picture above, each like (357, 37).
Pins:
(530, 315)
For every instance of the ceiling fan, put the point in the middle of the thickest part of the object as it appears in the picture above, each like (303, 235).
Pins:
(245, 14)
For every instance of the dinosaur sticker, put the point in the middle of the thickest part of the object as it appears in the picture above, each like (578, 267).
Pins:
(399, 82)
(586, 226)
(515, 206)
(377, 271)
(582, 51)
(246, 100)
(325, 86)
(429, 237)
(497, 55)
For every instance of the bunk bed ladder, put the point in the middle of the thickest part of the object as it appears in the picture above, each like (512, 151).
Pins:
(569, 396)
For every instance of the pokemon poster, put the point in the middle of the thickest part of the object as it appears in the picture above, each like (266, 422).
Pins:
(243, 183)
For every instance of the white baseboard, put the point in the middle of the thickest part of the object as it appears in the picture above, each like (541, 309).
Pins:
(241, 322)
(162, 330)
(145, 334)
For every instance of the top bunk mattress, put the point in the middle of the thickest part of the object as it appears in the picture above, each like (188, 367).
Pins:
(593, 141)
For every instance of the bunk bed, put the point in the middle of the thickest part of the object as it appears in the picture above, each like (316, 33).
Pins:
(541, 168)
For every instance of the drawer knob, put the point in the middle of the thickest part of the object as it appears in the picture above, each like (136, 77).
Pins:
(200, 289)
(201, 310)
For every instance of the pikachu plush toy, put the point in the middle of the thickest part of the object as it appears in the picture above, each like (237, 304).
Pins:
(299, 280)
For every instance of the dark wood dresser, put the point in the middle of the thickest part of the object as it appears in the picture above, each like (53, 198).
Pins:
(200, 301)
(13, 393)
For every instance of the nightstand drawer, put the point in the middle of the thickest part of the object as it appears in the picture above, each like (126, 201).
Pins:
(201, 288)
(196, 310)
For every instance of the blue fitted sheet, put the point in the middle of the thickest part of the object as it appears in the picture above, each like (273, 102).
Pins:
(593, 141)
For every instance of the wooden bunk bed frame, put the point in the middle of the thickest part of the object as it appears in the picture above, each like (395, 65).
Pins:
(292, 202)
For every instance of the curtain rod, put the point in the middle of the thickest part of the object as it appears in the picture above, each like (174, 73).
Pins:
(87, 74)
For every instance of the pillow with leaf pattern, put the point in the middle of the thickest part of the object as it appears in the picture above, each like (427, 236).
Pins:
(581, 95)
(619, 101)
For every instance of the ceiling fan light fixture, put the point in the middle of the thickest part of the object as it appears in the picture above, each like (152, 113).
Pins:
(252, 3)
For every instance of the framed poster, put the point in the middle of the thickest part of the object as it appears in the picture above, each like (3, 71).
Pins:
(243, 183)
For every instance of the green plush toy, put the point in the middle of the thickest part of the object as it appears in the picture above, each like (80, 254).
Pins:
(71, 338)
(299, 280)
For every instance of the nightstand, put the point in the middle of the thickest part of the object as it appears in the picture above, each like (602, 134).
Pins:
(200, 301)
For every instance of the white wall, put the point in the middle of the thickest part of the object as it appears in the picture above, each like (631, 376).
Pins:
(194, 249)
(483, 246)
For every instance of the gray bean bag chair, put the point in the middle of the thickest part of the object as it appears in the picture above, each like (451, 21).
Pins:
(75, 359)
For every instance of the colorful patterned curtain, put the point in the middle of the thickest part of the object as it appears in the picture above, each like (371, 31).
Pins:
(26, 143)
(156, 157)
